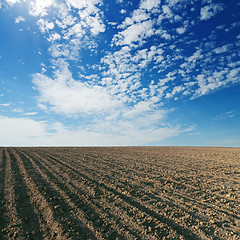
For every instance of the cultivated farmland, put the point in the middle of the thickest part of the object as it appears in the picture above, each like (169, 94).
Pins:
(120, 193)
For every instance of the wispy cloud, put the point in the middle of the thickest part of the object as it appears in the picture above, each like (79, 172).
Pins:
(12, 2)
(28, 132)
(17, 110)
(30, 113)
(44, 25)
(19, 19)
(65, 95)
(210, 10)
(227, 115)
(5, 104)
(39, 7)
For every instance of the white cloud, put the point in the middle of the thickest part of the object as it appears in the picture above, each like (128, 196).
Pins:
(143, 108)
(89, 4)
(138, 16)
(65, 95)
(30, 113)
(28, 132)
(234, 73)
(90, 14)
(139, 26)
(44, 25)
(222, 49)
(130, 133)
(171, 3)
(39, 7)
(5, 104)
(135, 33)
(17, 110)
(19, 19)
(167, 11)
(176, 89)
(149, 4)
(124, 69)
(181, 30)
(65, 19)
(60, 50)
(123, 11)
(12, 2)
(227, 115)
(95, 23)
(78, 30)
(210, 10)
(166, 35)
(20, 131)
(196, 56)
(214, 80)
(54, 37)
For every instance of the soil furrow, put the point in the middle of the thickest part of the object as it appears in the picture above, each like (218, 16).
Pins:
(94, 203)
(178, 228)
(132, 190)
(3, 210)
(177, 185)
(25, 211)
(195, 212)
(120, 193)
(132, 212)
(157, 179)
(154, 176)
(71, 227)
(14, 228)
(49, 226)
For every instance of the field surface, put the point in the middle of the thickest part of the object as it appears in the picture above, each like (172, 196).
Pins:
(120, 193)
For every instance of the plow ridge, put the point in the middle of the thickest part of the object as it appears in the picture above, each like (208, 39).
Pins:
(65, 224)
(139, 207)
(3, 209)
(119, 193)
(25, 211)
(94, 211)
(129, 203)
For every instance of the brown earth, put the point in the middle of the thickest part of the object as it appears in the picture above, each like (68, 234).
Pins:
(120, 193)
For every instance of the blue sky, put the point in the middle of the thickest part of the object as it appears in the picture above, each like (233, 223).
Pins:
(95, 72)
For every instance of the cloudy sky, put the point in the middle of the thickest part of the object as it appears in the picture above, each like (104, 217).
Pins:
(118, 72)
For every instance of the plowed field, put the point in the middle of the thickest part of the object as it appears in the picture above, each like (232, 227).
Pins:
(120, 193)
